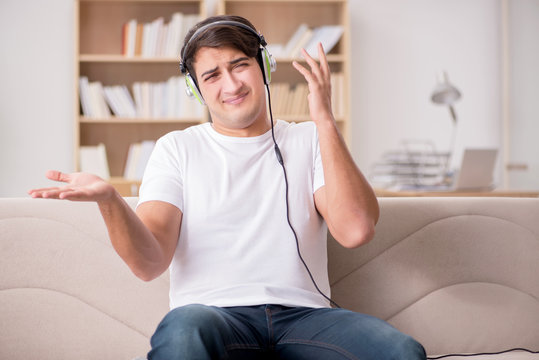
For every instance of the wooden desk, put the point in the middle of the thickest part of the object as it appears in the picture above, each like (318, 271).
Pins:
(493, 193)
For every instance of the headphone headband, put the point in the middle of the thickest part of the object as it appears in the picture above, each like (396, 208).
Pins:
(262, 41)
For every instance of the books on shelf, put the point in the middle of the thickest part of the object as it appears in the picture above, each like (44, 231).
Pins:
(137, 159)
(93, 160)
(166, 99)
(291, 99)
(92, 98)
(308, 39)
(156, 38)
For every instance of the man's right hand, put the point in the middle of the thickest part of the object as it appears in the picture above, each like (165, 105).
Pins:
(78, 187)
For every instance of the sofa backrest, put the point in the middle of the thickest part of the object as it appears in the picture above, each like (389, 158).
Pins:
(458, 274)
(461, 275)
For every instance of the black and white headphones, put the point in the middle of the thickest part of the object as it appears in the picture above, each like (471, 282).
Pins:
(265, 59)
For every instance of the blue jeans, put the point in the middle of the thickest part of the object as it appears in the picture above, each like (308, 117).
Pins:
(195, 332)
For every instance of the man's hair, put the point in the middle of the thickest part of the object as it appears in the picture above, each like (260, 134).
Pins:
(223, 35)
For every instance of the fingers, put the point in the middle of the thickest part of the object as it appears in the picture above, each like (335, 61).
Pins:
(324, 65)
(51, 192)
(57, 176)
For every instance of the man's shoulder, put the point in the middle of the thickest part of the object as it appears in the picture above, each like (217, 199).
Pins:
(299, 127)
(301, 130)
(184, 134)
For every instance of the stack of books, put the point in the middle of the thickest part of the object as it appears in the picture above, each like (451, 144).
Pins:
(410, 168)
(156, 38)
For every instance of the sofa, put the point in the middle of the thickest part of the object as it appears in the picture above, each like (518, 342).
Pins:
(461, 275)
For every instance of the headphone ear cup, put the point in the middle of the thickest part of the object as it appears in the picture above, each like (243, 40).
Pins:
(267, 63)
(192, 89)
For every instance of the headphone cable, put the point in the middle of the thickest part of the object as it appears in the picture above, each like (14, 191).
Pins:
(280, 160)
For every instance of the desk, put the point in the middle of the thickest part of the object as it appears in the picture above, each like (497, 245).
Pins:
(493, 193)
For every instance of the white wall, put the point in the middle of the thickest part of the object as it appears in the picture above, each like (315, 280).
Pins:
(523, 16)
(397, 48)
(36, 86)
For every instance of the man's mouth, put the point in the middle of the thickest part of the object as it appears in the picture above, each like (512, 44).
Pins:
(234, 100)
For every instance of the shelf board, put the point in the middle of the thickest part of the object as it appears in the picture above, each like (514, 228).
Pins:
(329, 57)
(301, 118)
(116, 58)
(287, 1)
(119, 120)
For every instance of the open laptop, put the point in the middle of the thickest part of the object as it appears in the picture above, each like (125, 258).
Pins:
(476, 170)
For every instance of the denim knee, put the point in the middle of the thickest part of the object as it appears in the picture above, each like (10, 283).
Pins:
(407, 348)
(188, 332)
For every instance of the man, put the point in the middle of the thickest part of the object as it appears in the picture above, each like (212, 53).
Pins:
(237, 209)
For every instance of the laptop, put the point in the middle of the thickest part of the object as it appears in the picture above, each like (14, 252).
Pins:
(476, 170)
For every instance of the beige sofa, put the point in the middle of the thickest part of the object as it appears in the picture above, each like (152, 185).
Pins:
(459, 274)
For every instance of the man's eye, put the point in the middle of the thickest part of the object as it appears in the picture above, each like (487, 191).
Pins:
(209, 77)
(241, 65)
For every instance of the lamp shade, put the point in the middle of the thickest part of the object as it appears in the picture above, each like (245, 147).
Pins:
(445, 93)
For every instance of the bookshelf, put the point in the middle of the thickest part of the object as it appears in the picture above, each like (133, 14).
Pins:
(278, 20)
(100, 56)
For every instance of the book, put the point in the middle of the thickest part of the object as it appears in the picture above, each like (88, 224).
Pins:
(156, 38)
(137, 158)
(292, 44)
(98, 104)
(133, 155)
(328, 35)
(93, 160)
(85, 96)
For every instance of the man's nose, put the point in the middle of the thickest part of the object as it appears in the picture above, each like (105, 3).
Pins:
(231, 83)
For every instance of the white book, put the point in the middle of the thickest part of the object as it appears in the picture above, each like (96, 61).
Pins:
(146, 40)
(170, 98)
(156, 95)
(100, 108)
(131, 38)
(85, 96)
(137, 95)
(127, 102)
(93, 160)
(161, 40)
(174, 38)
(146, 149)
(301, 44)
(133, 155)
(328, 35)
(146, 100)
(294, 39)
(112, 100)
(156, 27)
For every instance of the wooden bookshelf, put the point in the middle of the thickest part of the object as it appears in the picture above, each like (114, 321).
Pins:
(98, 56)
(277, 20)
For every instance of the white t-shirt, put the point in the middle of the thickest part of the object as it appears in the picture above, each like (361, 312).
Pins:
(235, 246)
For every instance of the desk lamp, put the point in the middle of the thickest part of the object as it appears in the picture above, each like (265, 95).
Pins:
(446, 94)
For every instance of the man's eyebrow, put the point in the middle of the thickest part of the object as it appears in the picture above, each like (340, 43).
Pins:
(208, 72)
(235, 61)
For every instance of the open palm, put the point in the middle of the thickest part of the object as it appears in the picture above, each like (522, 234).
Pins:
(78, 187)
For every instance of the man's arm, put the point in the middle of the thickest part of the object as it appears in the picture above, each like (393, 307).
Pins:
(145, 240)
(346, 201)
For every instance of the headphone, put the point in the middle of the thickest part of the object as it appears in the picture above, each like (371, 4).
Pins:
(265, 59)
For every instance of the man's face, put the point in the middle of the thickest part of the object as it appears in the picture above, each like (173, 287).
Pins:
(233, 88)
